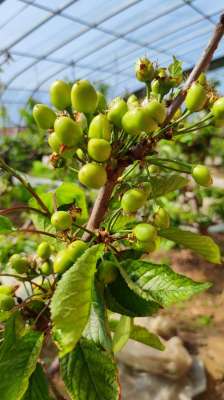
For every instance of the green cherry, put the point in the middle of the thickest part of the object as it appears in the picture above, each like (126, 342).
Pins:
(60, 94)
(61, 220)
(117, 109)
(44, 250)
(19, 263)
(201, 175)
(156, 110)
(68, 132)
(84, 97)
(196, 97)
(145, 232)
(92, 175)
(133, 199)
(99, 149)
(6, 302)
(218, 109)
(44, 116)
(100, 128)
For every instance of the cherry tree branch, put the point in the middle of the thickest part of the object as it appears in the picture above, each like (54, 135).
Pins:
(35, 231)
(144, 148)
(26, 184)
(202, 65)
(10, 210)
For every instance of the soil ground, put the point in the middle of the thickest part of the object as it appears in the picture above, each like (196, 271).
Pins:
(200, 321)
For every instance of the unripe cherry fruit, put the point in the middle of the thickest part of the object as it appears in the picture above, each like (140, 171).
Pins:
(137, 120)
(99, 149)
(132, 102)
(117, 108)
(153, 169)
(133, 199)
(147, 247)
(6, 289)
(67, 257)
(54, 142)
(61, 220)
(68, 132)
(201, 175)
(80, 154)
(162, 218)
(44, 116)
(144, 70)
(92, 175)
(19, 263)
(196, 97)
(107, 272)
(218, 109)
(202, 79)
(101, 102)
(156, 110)
(46, 268)
(60, 94)
(44, 250)
(145, 232)
(100, 128)
(84, 97)
(6, 302)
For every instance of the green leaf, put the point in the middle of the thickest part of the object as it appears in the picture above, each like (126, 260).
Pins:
(201, 244)
(162, 185)
(122, 222)
(71, 302)
(97, 328)
(38, 386)
(175, 69)
(4, 315)
(90, 373)
(121, 299)
(18, 358)
(122, 333)
(158, 282)
(42, 222)
(46, 198)
(70, 193)
(6, 225)
(142, 335)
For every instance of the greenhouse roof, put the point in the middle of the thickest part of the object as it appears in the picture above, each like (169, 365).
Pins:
(95, 39)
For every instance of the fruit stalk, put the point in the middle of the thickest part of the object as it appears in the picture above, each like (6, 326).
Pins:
(141, 150)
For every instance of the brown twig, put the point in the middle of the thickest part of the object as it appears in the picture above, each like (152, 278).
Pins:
(35, 231)
(23, 279)
(26, 184)
(22, 208)
(143, 148)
